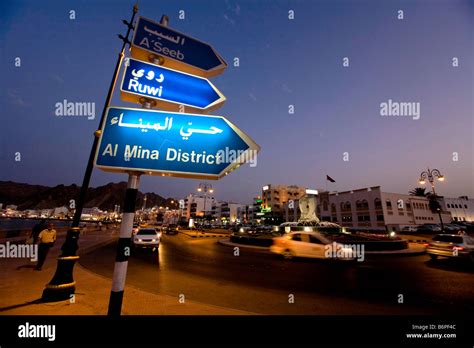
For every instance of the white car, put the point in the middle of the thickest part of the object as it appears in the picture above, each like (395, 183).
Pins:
(409, 229)
(146, 238)
(310, 244)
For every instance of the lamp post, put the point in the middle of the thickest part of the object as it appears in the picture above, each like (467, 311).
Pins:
(62, 285)
(204, 187)
(431, 175)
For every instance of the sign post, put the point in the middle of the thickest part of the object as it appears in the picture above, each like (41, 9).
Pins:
(166, 143)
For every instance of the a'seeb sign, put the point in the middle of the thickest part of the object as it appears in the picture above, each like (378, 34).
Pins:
(168, 88)
(179, 50)
(174, 144)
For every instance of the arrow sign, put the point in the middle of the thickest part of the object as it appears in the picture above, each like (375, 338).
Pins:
(172, 144)
(169, 88)
(178, 50)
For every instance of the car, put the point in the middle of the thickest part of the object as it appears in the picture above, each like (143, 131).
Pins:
(408, 229)
(453, 228)
(310, 244)
(452, 246)
(171, 229)
(429, 228)
(148, 238)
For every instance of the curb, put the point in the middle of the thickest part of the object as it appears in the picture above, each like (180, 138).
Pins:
(205, 235)
(404, 252)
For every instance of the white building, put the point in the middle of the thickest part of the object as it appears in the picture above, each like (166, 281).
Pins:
(226, 212)
(461, 209)
(372, 209)
(198, 206)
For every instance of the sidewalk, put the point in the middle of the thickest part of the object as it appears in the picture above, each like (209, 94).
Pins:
(21, 288)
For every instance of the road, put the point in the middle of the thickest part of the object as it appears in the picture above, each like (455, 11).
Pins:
(259, 282)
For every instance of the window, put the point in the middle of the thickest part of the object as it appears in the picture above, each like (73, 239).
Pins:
(325, 205)
(465, 206)
(296, 237)
(389, 204)
(379, 217)
(314, 240)
(408, 205)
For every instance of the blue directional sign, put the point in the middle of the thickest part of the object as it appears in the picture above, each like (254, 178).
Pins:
(168, 88)
(172, 144)
(178, 50)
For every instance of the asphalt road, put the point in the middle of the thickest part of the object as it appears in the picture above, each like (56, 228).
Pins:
(259, 282)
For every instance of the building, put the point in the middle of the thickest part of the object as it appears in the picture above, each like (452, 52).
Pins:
(274, 198)
(252, 213)
(461, 209)
(371, 209)
(198, 206)
(225, 212)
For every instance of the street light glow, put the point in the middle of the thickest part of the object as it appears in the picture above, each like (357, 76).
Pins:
(441, 178)
(422, 182)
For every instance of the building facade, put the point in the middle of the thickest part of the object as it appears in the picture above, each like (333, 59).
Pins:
(461, 209)
(371, 209)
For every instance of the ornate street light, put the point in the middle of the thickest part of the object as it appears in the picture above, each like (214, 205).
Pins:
(431, 175)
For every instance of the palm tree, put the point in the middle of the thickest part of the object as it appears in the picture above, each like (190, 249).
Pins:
(418, 191)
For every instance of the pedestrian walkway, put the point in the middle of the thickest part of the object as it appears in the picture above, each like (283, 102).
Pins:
(21, 288)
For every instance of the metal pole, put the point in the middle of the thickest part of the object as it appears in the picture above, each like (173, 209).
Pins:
(439, 210)
(123, 247)
(62, 286)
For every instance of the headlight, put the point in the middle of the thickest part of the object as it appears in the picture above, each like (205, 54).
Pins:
(241, 230)
(139, 240)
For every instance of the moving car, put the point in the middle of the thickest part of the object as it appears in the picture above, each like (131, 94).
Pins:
(409, 229)
(451, 245)
(429, 228)
(171, 229)
(146, 238)
(310, 244)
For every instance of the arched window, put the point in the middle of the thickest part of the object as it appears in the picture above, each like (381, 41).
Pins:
(348, 205)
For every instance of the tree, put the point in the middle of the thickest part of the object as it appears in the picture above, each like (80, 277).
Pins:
(433, 203)
(418, 191)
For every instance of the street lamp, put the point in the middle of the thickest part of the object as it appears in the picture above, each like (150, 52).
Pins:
(431, 175)
(204, 187)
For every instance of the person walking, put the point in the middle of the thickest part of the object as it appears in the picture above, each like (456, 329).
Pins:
(46, 238)
(37, 230)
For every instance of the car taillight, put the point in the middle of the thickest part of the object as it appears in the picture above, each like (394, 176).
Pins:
(458, 248)
(426, 245)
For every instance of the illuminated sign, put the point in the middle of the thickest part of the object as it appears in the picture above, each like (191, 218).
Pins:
(178, 50)
(171, 144)
(168, 88)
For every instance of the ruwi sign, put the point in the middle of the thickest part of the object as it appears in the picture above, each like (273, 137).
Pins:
(169, 89)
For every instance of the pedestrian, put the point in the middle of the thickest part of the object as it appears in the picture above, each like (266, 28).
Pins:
(46, 239)
(37, 229)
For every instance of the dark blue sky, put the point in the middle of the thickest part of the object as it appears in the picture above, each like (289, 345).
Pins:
(282, 62)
